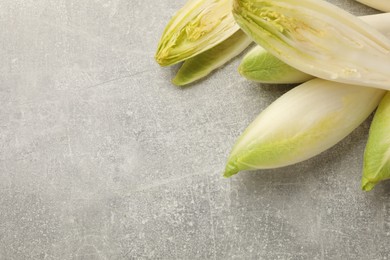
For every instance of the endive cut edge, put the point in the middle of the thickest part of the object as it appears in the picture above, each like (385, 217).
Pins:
(302, 123)
(204, 63)
(198, 26)
(376, 163)
(261, 66)
(382, 5)
(319, 39)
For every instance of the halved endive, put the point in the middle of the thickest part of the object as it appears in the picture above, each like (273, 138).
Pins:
(318, 38)
(261, 66)
(383, 5)
(195, 28)
(204, 63)
(302, 123)
(376, 166)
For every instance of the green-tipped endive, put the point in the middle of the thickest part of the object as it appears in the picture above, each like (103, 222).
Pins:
(383, 5)
(376, 166)
(318, 38)
(302, 123)
(261, 66)
(195, 28)
(204, 63)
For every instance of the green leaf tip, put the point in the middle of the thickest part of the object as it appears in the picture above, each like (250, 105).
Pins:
(230, 170)
(367, 184)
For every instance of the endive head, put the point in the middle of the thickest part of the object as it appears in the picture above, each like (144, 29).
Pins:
(198, 26)
(318, 38)
(302, 123)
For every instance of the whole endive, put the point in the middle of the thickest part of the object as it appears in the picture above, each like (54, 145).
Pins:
(318, 38)
(302, 123)
(376, 166)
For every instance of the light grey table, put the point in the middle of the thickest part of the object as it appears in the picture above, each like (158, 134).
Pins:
(102, 158)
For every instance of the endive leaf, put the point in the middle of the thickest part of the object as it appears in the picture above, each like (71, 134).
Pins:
(318, 38)
(380, 22)
(195, 28)
(261, 66)
(376, 166)
(302, 123)
(383, 5)
(202, 64)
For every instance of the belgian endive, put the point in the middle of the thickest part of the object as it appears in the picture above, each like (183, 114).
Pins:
(261, 66)
(198, 26)
(318, 38)
(376, 166)
(302, 123)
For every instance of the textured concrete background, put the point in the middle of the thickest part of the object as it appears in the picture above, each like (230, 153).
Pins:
(102, 158)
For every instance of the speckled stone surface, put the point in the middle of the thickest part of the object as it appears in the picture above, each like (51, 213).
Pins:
(102, 158)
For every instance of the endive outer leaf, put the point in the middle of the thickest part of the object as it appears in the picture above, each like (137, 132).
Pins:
(376, 166)
(383, 5)
(318, 38)
(261, 66)
(202, 64)
(302, 123)
(195, 28)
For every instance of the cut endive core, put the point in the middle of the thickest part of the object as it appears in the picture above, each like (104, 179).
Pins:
(198, 26)
(318, 38)
(261, 66)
